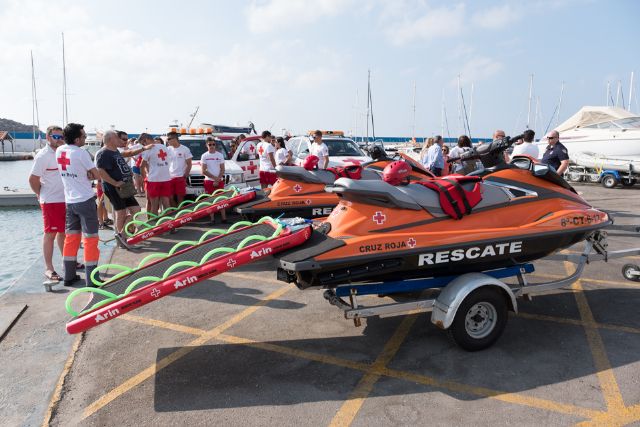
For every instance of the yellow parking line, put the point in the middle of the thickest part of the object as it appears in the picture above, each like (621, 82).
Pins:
(513, 398)
(163, 324)
(251, 278)
(178, 354)
(350, 408)
(604, 372)
(577, 322)
(622, 417)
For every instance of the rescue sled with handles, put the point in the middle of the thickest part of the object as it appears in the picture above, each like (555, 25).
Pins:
(187, 263)
(187, 211)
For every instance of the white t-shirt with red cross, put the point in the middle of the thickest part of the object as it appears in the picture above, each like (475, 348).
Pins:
(213, 162)
(134, 159)
(264, 148)
(158, 160)
(73, 164)
(321, 150)
(250, 149)
(178, 160)
(45, 167)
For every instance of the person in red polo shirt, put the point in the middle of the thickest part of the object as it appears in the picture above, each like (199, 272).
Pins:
(156, 163)
(45, 181)
(179, 167)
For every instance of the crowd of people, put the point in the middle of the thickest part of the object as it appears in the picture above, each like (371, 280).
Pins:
(63, 177)
(442, 161)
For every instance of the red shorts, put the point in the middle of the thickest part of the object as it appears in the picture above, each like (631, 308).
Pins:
(210, 187)
(53, 215)
(268, 178)
(178, 186)
(159, 189)
(99, 191)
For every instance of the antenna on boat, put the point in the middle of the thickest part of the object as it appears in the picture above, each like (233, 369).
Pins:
(559, 103)
(35, 115)
(470, 108)
(368, 101)
(445, 121)
(630, 91)
(193, 116)
(65, 109)
(530, 95)
(618, 93)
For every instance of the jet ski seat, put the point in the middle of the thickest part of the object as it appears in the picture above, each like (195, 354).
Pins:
(319, 176)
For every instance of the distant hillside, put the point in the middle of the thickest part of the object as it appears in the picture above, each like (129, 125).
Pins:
(13, 126)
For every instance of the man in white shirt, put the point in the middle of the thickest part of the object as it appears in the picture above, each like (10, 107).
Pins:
(155, 163)
(179, 167)
(77, 172)
(320, 149)
(212, 163)
(526, 146)
(46, 183)
(266, 151)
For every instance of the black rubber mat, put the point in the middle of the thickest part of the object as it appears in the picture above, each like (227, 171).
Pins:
(154, 223)
(317, 244)
(193, 254)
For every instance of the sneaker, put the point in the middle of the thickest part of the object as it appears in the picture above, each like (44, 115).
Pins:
(72, 281)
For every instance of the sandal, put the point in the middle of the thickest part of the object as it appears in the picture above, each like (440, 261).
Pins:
(52, 275)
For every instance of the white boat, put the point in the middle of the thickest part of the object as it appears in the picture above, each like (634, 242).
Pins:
(602, 162)
(611, 131)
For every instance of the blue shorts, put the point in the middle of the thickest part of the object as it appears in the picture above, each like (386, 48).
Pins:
(135, 170)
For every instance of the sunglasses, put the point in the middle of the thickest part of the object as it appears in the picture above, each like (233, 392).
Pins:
(56, 137)
(551, 137)
(211, 145)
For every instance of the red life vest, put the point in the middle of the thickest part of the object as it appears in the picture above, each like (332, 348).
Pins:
(455, 201)
(353, 172)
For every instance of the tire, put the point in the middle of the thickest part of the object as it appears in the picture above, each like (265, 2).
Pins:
(628, 182)
(631, 272)
(593, 177)
(480, 319)
(609, 181)
(574, 177)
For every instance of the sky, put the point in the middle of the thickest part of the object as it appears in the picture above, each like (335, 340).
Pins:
(303, 64)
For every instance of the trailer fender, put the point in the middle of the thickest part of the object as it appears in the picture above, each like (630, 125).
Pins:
(446, 305)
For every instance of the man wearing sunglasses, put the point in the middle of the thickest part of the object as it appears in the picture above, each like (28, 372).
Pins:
(45, 181)
(212, 163)
(556, 154)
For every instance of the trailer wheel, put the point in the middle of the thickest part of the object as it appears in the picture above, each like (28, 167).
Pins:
(609, 181)
(631, 272)
(574, 176)
(480, 319)
(628, 182)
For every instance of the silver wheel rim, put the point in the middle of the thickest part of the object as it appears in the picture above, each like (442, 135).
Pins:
(627, 273)
(480, 320)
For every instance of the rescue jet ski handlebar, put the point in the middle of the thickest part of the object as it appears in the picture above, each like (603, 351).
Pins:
(490, 154)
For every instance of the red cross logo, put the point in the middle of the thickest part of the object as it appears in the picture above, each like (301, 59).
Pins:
(155, 292)
(411, 242)
(252, 167)
(260, 151)
(308, 201)
(297, 188)
(251, 148)
(63, 161)
(231, 263)
(379, 218)
(162, 155)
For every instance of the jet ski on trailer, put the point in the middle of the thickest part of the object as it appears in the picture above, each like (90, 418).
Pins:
(299, 191)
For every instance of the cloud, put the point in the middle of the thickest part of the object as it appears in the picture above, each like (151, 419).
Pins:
(496, 17)
(435, 23)
(261, 16)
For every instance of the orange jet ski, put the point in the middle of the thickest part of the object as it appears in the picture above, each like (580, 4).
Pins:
(393, 229)
(300, 190)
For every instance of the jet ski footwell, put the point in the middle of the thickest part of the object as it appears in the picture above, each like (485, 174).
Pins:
(186, 264)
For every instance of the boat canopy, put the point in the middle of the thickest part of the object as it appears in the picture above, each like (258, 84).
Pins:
(592, 115)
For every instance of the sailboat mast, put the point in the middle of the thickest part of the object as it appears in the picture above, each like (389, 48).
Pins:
(560, 103)
(630, 91)
(618, 93)
(470, 108)
(373, 124)
(608, 93)
(65, 110)
(460, 122)
(368, 101)
(530, 95)
(413, 127)
(33, 101)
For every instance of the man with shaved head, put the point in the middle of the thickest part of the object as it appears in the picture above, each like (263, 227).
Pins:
(556, 154)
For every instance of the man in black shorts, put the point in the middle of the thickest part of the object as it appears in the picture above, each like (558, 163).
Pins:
(116, 175)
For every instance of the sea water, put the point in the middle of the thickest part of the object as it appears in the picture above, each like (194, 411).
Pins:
(20, 228)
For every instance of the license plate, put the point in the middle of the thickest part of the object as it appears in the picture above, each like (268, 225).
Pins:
(197, 191)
